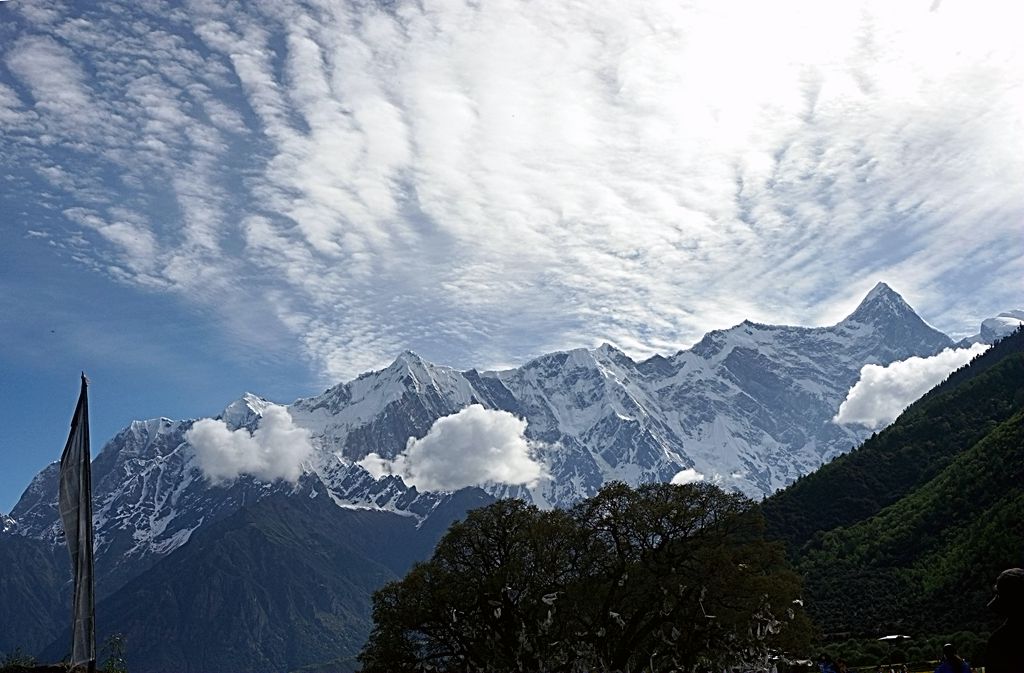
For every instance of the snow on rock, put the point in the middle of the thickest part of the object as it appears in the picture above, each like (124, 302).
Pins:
(244, 412)
(994, 329)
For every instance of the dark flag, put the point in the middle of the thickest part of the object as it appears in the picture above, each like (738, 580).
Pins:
(76, 515)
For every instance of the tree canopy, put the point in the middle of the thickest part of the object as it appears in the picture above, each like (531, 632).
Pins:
(661, 577)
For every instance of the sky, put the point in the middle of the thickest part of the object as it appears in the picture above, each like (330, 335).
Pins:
(203, 198)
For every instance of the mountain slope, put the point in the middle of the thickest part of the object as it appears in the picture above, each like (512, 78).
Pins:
(935, 552)
(34, 592)
(278, 584)
(925, 514)
(150, 495)
(925, 438)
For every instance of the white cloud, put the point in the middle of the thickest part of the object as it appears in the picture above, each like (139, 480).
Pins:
(687, 476)
(483, 182)
(468, 448)
(275, 450)
(54, 78)
(882, 393)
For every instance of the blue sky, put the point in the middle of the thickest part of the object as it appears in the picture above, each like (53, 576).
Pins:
(201, 198)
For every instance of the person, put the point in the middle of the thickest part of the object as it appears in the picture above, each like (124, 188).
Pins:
(951, 661)
(1005, 653)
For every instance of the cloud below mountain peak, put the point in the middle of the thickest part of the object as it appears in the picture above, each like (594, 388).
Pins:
(276, 449)
(882, 393)
(471, 447)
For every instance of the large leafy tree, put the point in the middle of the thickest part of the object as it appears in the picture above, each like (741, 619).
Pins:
(660, 577)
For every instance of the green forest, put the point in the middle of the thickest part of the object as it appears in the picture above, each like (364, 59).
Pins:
(906, 534)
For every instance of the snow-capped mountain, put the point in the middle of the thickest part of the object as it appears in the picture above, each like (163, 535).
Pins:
(749, 407)
(150, 495)
(995, 328)
(6, 523)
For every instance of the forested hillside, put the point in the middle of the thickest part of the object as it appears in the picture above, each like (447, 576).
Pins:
(908, 531)
(34, 592)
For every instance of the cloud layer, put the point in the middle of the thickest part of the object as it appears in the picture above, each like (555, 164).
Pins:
(687, 476)
(485, 181)
(882, 393)
(275, 450)
(468, 448)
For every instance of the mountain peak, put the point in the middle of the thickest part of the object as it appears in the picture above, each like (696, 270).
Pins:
(884, 313)
(882, 292)
(411, 362)
(608, 350)
(407, 356)
(244, 410)
(881, 303)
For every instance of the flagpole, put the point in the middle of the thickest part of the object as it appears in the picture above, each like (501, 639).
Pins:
(75, 501)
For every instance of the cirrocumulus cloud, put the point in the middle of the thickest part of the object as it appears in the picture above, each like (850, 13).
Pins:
(487, 181)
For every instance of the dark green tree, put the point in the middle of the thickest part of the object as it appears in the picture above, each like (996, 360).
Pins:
(661, 577)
